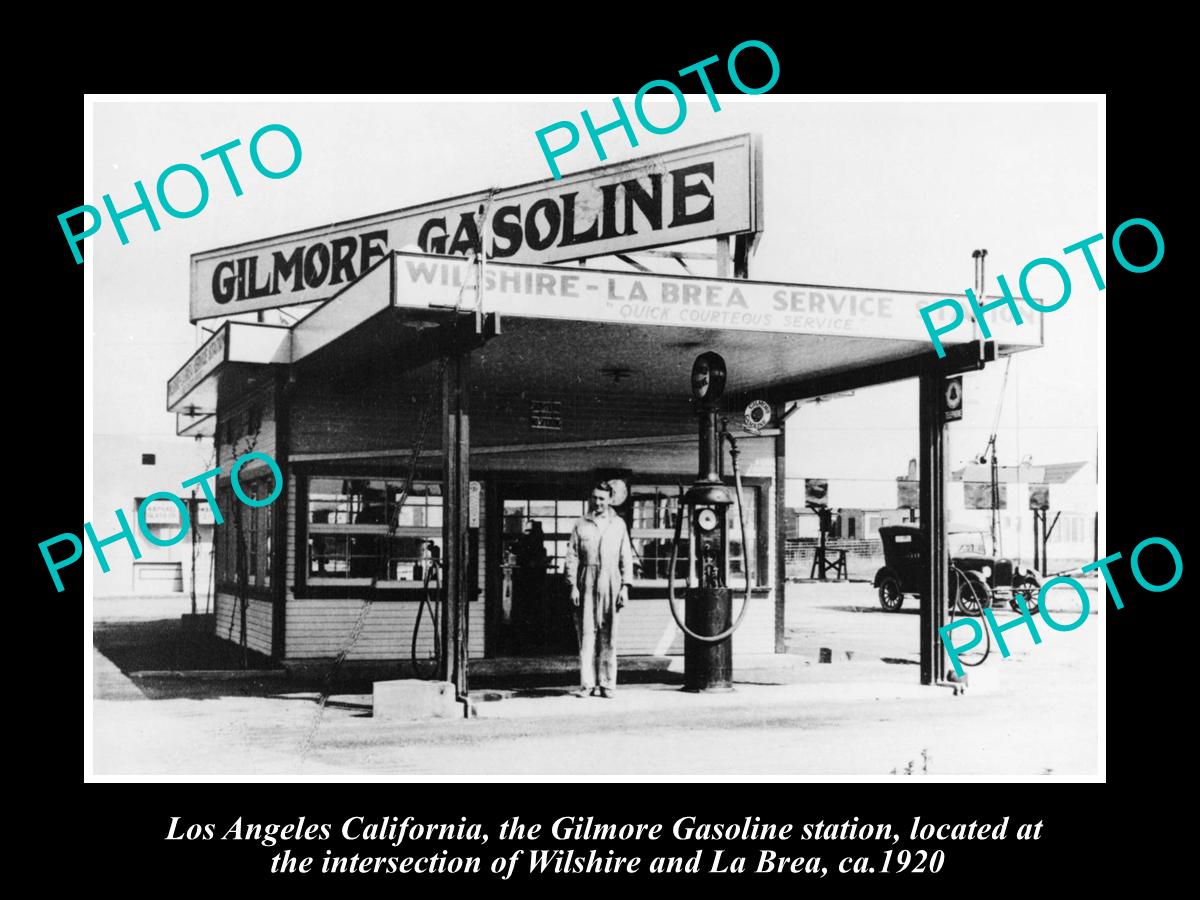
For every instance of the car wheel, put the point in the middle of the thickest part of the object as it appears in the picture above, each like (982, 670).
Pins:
(1027, 586)
(891, 597)
(969, 597)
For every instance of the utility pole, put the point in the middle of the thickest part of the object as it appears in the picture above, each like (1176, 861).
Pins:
(980, 257)
(995, 477)
(193, 510)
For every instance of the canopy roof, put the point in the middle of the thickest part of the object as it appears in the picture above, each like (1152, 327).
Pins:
(566, 325)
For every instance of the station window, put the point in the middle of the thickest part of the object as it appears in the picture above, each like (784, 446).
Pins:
(556, 518)
(349, 520)
(257, 526)
(655, 511)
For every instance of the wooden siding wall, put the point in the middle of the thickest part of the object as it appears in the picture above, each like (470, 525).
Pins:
(258, 622)
(376, 413)
(318, 629)
(646, 461)
(264, 399)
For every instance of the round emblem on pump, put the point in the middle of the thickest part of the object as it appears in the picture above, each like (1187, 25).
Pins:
(706, 519)
(757, 415)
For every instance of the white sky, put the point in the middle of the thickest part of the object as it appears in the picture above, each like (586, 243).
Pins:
(880, 195)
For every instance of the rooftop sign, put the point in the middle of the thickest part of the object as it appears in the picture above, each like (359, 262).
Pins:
(689, 194)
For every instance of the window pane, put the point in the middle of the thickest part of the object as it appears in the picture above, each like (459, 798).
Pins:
(571, 509)
(737, 555)
(367, 502)
(327, 556)
(640, 554)
(645, 510)
(408, 558)
(514, 518)
(541, 508)
(364, 555)
(334, 501)
(326, 502)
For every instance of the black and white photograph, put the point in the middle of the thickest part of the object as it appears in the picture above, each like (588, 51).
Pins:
(686, 436)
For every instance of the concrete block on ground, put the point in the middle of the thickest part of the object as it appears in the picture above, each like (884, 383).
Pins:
(986, 678)
(412, 698)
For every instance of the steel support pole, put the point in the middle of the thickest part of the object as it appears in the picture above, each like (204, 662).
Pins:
(1036, 563)
(933, 527)
(455, 475)
(1045, 569)
(781, 514)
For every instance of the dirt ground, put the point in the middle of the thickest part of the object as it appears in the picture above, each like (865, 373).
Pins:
(1035, 713)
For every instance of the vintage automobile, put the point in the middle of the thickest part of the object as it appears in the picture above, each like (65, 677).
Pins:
(977, 578)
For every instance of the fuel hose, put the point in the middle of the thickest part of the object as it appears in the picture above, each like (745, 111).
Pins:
(426, 601)
(987, 638)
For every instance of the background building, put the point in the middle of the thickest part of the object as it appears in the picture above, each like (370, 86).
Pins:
(134, 467)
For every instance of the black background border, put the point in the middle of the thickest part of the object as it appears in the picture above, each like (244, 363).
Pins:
(116, 831)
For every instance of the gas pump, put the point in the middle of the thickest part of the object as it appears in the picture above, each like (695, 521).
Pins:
(708, 648)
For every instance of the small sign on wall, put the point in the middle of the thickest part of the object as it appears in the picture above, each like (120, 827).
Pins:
(161, 512)
(952, 399)
(545, 415)
(474, 492)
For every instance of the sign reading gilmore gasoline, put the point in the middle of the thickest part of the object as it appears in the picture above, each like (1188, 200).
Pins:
(688, 194)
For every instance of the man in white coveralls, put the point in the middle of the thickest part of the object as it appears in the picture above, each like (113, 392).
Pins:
(599, 570)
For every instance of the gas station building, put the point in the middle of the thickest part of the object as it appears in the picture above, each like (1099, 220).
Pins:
(505, 384)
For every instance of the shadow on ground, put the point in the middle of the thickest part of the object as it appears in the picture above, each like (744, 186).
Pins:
(162, 644)
(207, 667)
